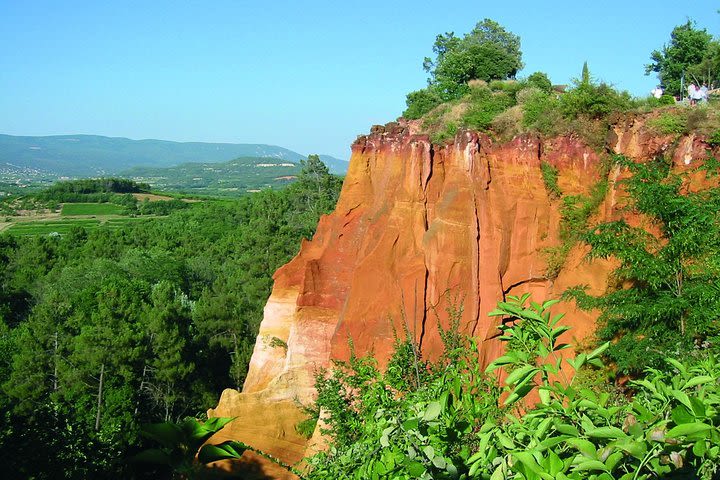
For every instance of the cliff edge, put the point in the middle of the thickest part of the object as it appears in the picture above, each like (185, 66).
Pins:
(418, 229)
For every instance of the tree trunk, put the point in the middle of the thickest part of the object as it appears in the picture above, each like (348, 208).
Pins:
(55, 362)
(99, 397)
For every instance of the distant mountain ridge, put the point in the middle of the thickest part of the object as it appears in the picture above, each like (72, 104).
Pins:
(95, 155)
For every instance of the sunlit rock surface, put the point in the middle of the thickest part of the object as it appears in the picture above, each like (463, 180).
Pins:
(418, 230)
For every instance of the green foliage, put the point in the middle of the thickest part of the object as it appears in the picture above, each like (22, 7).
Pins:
(485, 105)
(593, 100)
(443, 135)
(91, 209)
(453, 424)
(691, 53)
(488, 52)
(550, 179)
(714, 139)
(541, 113)
(575, 214)
(63, 191)
(541, 81)
(421, 102)
(666, 300)
(410, 422)
(142, 321)
(181, 442)
(671, 426)
(674, 122)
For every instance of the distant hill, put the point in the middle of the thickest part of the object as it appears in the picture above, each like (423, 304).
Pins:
(92, 155)
(223, 178)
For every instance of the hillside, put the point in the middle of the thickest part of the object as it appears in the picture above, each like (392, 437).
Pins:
(227, 178)
(93, 155)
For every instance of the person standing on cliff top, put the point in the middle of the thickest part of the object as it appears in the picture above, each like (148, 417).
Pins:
(704, 93)
(692, 93)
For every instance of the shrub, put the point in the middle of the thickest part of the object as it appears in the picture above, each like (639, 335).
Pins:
(595, 101)
(508, 123)
(540, 81)
(550, 179)
(448, 133)
(484, 106)
(714, 139)
(668, 123)
(541, 112)
(445, 420)
(421, 102)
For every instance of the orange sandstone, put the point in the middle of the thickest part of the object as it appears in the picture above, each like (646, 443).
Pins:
(418, 229)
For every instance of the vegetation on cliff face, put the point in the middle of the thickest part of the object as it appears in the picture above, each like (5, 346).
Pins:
(448, 420)
(667, 294)
(105, 329)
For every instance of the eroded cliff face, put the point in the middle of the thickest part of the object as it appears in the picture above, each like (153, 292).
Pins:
(419, 229)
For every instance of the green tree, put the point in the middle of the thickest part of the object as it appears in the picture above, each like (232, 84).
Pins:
(667, 295)
(488, 52)
(688, 48)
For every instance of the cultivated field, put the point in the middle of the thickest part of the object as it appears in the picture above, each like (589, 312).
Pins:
(63, 227)
(69, 209)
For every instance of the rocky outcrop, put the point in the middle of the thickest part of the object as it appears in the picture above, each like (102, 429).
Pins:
(418, 230)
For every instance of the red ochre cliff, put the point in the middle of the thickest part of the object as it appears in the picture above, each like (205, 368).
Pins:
(419, 228)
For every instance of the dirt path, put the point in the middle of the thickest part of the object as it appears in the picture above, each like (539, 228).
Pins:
(4, 226)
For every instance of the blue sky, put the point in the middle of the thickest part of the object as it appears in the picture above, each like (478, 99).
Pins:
(308, 76)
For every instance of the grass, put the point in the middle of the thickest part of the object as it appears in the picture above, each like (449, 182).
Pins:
(92, 209)
(63, 227)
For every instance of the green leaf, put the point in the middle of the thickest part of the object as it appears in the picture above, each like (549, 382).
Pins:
(688, 429)
(613, 459)
(611, 433)
(599, 351)
(432, 411)
(521, 374)
(636, 449)
(429, 452)
(225, 450)
(695, 381)
(588, 465)
(439, 462)
(586, 447)
(505, 441)
(681, 415)
(698, 407)
(411, 424)
(549, 303)
(682, 398)
(567, 429)
(415, 469)
(528, 460)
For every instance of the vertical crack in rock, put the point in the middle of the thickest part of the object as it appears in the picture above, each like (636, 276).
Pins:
(427, 158)
(476, 266)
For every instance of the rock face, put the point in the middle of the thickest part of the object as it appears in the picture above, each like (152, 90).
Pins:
(420, 229)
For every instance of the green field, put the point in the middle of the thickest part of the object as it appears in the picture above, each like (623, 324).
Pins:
(63, 227)
(92, 209)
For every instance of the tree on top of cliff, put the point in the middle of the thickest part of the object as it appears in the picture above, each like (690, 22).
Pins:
(692, 53)
(488, 52)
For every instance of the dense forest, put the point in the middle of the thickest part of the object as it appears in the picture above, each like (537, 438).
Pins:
(103, 330)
